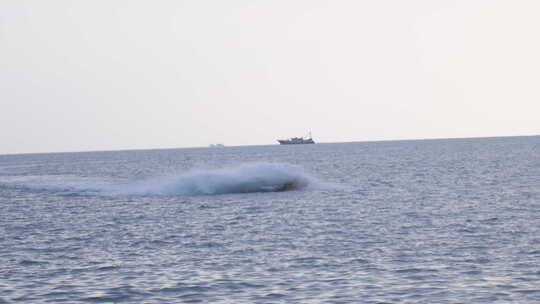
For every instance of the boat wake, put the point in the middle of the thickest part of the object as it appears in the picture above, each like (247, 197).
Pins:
(246, 178)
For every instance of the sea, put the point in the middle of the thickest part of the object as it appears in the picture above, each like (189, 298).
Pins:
(420, 221)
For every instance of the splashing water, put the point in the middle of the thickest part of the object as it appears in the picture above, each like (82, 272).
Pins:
(247, 178)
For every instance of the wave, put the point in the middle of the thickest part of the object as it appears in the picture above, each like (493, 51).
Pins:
(246, 178)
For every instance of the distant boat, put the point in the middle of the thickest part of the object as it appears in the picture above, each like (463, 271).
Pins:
(217, 146)
(297, 140)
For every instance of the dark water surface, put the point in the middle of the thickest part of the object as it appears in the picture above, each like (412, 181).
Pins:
(436, 221)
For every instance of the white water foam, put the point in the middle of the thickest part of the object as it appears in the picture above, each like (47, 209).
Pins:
(246, 178)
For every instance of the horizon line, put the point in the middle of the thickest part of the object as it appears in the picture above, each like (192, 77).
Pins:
(263, 145)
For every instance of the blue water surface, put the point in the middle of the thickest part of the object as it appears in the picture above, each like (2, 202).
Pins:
(433, 221)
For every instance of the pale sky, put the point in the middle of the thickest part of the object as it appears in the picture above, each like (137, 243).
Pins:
(125, 74)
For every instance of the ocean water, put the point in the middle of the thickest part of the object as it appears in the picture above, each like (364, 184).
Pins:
(433, 221)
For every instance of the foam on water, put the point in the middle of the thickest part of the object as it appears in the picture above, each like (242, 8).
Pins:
(245, 178)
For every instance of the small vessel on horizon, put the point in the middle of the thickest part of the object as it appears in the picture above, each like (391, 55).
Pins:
(216, 145)
(297, 140)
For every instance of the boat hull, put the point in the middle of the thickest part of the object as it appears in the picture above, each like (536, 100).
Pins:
(295, 142)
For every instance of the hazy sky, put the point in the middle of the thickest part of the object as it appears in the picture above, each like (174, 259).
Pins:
(103, 75)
